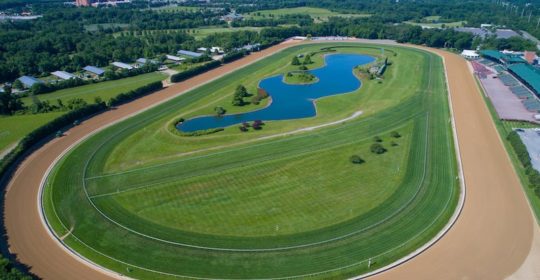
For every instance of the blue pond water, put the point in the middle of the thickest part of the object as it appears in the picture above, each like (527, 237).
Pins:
(292, 101)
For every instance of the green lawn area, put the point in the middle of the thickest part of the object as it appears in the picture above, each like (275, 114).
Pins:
(236, 205)
(105, 90)
(14, 128)
(435, 22)
(317, 14)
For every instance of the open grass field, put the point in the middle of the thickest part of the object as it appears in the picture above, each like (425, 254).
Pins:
(200, 33)
(142, 201)
(318, 14)
(14, 128)
(434, 22)
(105, 90)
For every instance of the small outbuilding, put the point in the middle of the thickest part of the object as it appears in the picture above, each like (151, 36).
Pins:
(63, 75)
(175, 58)
(470, 54)
(189, 53)
(122, 65)
(94, 70)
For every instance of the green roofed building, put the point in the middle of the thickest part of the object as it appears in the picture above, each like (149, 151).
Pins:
(502, 58)
(528, 75)
(497, 56)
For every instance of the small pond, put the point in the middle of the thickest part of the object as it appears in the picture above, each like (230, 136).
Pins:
(292, 101)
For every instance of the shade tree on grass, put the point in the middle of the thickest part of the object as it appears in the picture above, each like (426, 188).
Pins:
(239, 94)
(295, 61)
(356, 159)
(378, 149)
(220, 111)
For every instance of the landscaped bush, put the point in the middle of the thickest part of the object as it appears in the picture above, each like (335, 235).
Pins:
(257, 125)
(198, 132)
(182, 76)
(523, 155)
(356, 159)
(395, 134)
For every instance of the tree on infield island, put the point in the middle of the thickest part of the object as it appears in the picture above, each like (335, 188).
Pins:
(295, 61)
(307, 60)
(239, 94)
(220, 111)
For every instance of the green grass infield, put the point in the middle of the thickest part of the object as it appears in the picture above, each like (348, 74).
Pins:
(141, 200)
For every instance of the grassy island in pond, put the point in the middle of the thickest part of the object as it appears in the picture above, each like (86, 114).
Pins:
(300, 78)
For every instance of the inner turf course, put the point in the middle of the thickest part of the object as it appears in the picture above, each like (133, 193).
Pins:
(105, 216)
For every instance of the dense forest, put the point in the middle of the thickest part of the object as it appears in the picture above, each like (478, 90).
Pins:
(63, 40)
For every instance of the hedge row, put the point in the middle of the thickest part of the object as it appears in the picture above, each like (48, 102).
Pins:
(182, 76)
(232, 56)
(525, 159)
(134, 94)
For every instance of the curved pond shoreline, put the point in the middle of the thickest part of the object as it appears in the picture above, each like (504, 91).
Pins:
(293, 101)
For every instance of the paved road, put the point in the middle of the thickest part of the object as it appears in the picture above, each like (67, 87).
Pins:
(490, 240)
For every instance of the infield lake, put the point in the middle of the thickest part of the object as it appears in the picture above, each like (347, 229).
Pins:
(292, 101)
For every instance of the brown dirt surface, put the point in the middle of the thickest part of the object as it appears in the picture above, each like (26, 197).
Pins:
(494, 232)
(490, 240)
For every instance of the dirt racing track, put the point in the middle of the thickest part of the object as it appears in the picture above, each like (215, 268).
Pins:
(491, 239)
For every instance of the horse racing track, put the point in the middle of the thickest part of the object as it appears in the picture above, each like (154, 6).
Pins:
(140, 200)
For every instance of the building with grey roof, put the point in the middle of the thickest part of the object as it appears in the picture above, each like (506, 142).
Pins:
(29, 81)
(189, 53)
(63, 75)
(94, 70)
(122, 65)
